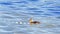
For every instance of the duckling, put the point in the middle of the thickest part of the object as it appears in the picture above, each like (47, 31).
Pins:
(33, 22)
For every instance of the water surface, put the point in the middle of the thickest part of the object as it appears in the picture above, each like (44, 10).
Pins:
(45, 11)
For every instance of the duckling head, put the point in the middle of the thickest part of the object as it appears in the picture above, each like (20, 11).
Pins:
(30, 20)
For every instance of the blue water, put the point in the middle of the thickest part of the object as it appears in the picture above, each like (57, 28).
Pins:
(45, 11)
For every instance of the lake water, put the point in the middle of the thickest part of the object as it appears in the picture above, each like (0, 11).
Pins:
(45, 11)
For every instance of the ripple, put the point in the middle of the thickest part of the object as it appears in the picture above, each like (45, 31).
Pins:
(32, 8)
(34, 0)
(9, 17)
(33, 13)
(6, 3)
(11, 13)
(6, 32)
(7, 28)
(14, 8)
(57, 6)
(48, 7)
(56, 13)
(3, 24)
(25, 2)
(49, 2)
(58, 17)
(1, 30)
(48, 14)
(21, 32)
(54, 9)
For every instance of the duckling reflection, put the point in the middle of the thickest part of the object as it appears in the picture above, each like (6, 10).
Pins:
(33, 22)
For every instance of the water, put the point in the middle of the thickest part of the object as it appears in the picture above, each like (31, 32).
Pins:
(45, 11)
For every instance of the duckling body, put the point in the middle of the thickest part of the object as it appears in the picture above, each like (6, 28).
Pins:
(34, 22)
